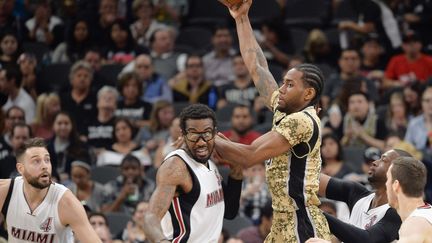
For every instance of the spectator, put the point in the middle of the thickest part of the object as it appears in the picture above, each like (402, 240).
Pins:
(45, 27)
(80, 101)
(411, 66)
(412, 95)
(276, 48)
(218, 62)
(48, 105)
(241, 125)
(123, 145)
(257, 234)
(101, 25)
(143, 28)
(373, 63)
(349, 64)
(241, 89)
(361, 126)
(9, 22)
(78, 40)
(166, 61)
(13, 115)
(397, 115)
(28, 64)
(121, 46)
(317, 49)
(332, 157)
(134, 231)
(131, 106)
(98, 219)
(9, 48)
(194, 88)
(171, 12)
(10, 84)
(94, 57)
(154, 86)
(88, 192)
(168, 146)
(101, 129)
(131, 187)
(65, 146)
(19, 134)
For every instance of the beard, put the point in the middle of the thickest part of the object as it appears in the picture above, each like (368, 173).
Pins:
(199, 159)
(34, 181)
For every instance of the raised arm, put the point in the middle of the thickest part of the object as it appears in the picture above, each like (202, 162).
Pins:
(252, 53)
(72, 213)
(170, 175)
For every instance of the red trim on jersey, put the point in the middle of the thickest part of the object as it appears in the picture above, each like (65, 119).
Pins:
(425, 206)
(179, 217)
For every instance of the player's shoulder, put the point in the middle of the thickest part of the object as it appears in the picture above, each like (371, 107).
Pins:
(415, 225)
(173, 166)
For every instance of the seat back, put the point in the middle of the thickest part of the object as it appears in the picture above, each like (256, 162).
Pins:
(55, 76)
(117, 222)
(103, 174)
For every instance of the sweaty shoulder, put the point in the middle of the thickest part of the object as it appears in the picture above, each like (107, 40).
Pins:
(296, 128)
(4, 187)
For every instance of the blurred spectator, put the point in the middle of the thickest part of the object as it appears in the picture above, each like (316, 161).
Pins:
(45, 27)
(80, 101)
(218, 62)
(412, 95)
(361, 126)
(48, 105)
(78, 40)
(101, 26)
(154, 86)
(157, 131)
(241, 89)
(143, 28)
(65, 146)
(166, 61)
(134, 231)
(98, 219)
(9, 48)
(349, 64)
(171, 11)
(28, 64)
(332, 157)
(131, 106)
(276, 47)
(258, 233)
(9, 22)
(411, 66)
(101, 129)
(194, 88)
(13, 115)
(175, 132)
(318, 50)
(373, 63)
(419, 131)
(242, 122)
(10, 84)
(88, 192)
(255, 193)
(131, 187)
(397, 114)
(394, 141)
(121, 46)
(123, 145)
(19, 134)
(94, 57)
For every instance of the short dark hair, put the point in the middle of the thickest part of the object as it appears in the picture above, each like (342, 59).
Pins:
(21, 124)
(128, 123)
(130, 158)
(333, 137)
(196, 112)
(14, 108)
(411, 174)
(220, 26)
(13, 72)
(313, 77)
(93, 214)
(359, 92)
(126, 78)
(30, 143)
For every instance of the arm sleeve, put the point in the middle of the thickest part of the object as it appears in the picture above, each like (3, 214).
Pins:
(232, 191)
(345, 191)
(385, 230)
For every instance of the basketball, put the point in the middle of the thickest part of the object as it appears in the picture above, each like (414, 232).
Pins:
(231, 3)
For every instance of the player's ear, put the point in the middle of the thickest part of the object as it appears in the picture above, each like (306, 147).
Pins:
(396, 186)
(309, 93)
(20, 167)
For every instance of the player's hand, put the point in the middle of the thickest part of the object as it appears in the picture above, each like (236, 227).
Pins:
(238, 10)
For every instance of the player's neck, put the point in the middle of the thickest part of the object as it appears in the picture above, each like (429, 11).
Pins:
(380, 197)
(407, 205)
(33, 195)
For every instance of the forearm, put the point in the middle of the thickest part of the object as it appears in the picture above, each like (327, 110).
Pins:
(346, 232)
(236, 153)
(115, 206)
(232, 193)
(152, 228)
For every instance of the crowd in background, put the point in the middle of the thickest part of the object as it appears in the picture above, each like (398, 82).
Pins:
(103, 81)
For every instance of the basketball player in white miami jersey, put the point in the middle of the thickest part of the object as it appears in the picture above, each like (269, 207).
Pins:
(191, 200)
(35, 208)
(406, 180)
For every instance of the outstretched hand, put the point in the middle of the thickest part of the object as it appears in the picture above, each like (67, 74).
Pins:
(237, 10)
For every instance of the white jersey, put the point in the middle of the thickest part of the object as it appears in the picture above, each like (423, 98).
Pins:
(424, 212)
(196, 216)
(43, 224)
(363, 217)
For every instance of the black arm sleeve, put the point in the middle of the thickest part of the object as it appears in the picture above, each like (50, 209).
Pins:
(232, 191)
(346, 191)
(385, 230)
